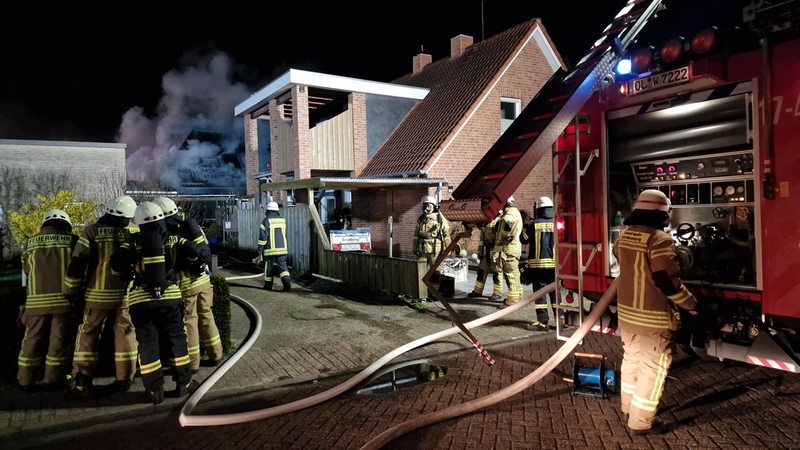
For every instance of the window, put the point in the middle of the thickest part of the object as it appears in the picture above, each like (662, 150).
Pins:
(509, 110)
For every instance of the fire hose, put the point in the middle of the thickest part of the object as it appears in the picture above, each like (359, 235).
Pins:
(505, 393)
(187, 419)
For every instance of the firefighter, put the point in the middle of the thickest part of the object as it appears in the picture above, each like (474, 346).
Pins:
(508, 250)
(89, 278)
(432, 233)
(194, 281)
(649, 294)
(47, 315)
(486, 265)
(540, 266)
(146, 263)
(273, 248)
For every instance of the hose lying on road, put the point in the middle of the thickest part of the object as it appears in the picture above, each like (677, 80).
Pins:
(186, 419)
(513, 389)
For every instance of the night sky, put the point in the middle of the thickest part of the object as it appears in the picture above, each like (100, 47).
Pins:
(78, 70)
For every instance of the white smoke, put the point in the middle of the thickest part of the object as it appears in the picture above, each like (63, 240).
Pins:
(199, 97)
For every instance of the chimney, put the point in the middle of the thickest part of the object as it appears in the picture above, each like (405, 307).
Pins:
(459, 44)
(420, 61)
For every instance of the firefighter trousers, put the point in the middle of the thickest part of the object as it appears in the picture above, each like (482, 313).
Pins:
(48, 337)
(200, 326)
(541, 277)
(645, 363)
(157, 322)
(510, 266)
(484, 270)
(87, 342)
(276, 265)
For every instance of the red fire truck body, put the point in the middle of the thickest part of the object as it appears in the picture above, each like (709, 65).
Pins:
(714, 122)
(720, 135)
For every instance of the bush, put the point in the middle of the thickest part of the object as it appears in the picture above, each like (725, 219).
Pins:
(222, 311)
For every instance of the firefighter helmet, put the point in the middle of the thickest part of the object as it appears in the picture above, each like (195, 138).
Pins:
(429, 199)
(147, 212)
(122, 206)
(272, 206)
(543, 202)
(56, 214)
(511, 201)
(168, 207)
(653, 200)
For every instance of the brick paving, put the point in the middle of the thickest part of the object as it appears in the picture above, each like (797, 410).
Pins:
(707, 404)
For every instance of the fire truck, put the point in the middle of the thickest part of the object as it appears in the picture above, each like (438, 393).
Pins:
(711, 119)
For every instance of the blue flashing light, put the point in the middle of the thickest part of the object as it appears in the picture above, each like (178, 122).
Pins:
(623, 66)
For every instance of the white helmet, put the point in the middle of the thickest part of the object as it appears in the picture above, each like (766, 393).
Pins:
(428, 199)
(56, 214)
(168, 207)
(511, 201)
(147, 212)
(653, 200)
(122, 206)
(543, 202)
(272, 206)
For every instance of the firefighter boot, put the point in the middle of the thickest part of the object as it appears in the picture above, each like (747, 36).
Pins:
(286, 284)
(184, 389)
(79, 386)
(155, 396)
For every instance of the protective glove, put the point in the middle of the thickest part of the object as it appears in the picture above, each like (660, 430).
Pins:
(258, 259)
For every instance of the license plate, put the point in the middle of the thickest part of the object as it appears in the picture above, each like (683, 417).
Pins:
(659, 81)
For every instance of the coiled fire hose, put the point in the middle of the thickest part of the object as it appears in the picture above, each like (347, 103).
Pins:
(187, 419)
(507, 392)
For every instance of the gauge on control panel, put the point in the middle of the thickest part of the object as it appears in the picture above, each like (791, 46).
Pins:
(717, 190)
(730, 190)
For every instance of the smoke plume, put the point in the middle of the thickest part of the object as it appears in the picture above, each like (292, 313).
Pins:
(194, 137)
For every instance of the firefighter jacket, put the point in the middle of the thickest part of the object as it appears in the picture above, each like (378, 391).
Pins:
(193, 272)
(45, 261)
(487, 240)
(89, 268)
(541, 239)
(642, 306)
(507, 232)
(149, 268)
(272, 235)
(432, 234)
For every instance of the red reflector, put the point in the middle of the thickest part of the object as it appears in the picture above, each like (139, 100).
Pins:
(512, 155)
(494, 176)
(560, 223)
(364, 246)
(337, 248)
(642, 60)
(704, 41)
(672, 50)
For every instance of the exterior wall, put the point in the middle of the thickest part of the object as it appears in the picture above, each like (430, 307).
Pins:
(357, 105)
(97, 168)
(302, 149)
(252, 164)
(524, 78)
(372, 209)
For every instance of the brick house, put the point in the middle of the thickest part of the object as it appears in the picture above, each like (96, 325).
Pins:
(381, 146)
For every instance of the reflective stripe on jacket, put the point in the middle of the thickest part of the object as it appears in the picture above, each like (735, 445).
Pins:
(642, 306)
(272, 236)
(44, 261)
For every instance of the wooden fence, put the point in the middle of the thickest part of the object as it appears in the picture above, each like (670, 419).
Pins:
(309, 252)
